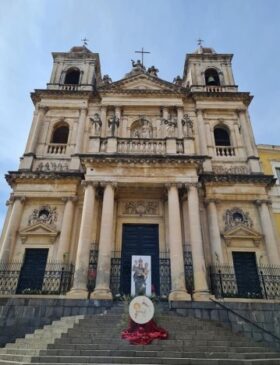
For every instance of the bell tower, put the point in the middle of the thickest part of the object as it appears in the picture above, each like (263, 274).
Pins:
(78, 69)
(206, 69)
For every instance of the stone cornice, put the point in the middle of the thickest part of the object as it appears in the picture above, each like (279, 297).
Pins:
(267, 180)
(105, 158)
(224, 96)
(14, 177)
(37, 95)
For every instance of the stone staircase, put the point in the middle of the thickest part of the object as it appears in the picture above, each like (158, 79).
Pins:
(96, 340)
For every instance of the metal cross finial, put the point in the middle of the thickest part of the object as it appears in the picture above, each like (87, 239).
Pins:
(199, 42)
(85, 41)
(142, 54)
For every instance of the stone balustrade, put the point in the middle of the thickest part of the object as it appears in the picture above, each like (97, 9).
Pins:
(56, 148)
(225, 151)
(214, 88)
(131, 145)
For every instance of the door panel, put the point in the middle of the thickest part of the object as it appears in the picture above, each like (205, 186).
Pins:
(139, 239)
(33, 269)
(246, 273)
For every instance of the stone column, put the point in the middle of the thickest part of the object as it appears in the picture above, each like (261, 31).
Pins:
(203, 140)
(214, 233)
(12, 228)
(103, 116)
(102, 289)
(35, 130)
(79, 289)
(66, 228)
(81, 131)
(179, 121)
(268, 231)
(178, 283)
(201, 291)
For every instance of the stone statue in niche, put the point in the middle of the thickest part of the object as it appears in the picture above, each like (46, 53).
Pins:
(97, 123)
(45, 214)
(170, 125)
(187, 126)
(236, 216)
(141, 128)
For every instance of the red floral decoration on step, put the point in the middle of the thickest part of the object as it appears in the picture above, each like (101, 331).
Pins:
(143, 334)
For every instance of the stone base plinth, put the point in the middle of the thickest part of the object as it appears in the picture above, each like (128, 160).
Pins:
(101, 294)
(77, 294)
(202, 296)
(179, 295)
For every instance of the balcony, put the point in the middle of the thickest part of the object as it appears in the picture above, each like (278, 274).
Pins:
(225, 151)
(214, 88)
(56, 148)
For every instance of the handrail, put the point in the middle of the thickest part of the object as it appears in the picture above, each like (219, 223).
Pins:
(246, 319)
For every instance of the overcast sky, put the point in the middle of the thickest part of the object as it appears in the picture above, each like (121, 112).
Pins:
(31, 29)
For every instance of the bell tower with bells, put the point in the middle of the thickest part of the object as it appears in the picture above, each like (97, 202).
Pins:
(205, 69)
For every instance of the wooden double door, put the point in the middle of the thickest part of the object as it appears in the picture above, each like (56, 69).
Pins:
(140, 240)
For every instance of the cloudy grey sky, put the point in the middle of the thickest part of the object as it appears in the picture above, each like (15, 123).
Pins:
(31, 29)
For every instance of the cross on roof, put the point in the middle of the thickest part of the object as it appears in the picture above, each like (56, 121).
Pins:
(142, 54)
(85, 41)
(199, 42)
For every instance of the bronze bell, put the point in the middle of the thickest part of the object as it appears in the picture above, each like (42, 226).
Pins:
(211, 80)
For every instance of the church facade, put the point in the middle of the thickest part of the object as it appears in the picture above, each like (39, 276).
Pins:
(140, 167)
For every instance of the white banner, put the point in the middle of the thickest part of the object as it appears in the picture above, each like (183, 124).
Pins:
(141, 275)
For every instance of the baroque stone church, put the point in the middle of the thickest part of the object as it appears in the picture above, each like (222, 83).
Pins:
(139, 166)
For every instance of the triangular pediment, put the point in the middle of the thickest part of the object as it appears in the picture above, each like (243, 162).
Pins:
(141, 82)
(242, 232)
(39, 230)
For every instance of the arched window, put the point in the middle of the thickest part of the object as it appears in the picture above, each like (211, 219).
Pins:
(72, 76)
(212, 77)
(221, 137)
(60, 134)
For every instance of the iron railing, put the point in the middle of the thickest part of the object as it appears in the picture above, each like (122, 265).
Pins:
(92, 269)
(265, 284)
(57, 279)
(188, 263)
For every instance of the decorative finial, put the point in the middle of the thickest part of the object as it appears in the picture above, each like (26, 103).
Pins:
(142, 54)
(199, 42)
(85, 41)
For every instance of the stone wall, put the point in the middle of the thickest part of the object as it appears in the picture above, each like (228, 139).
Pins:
(19, 316)
(265, 315)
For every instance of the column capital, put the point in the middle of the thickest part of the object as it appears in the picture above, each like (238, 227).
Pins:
(260, 202)
(69, 198)
(207, 201)
(86, 183)
(20, 198)
(114, 184)
(43, 108)
(177, 185)
(239, 111)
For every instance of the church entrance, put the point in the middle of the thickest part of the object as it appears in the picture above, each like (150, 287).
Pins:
(139, 239)
(246, 273)
(33, 270)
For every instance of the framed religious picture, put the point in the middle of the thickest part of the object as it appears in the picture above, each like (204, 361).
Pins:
(141, 282)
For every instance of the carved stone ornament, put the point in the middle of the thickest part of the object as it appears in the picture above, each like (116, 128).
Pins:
(236, 217)
(234, 170)
(141, 207)
(45, 215)
(170, 125)
(97, 123)
(141, 128)
(52, 166)
(187, 126)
